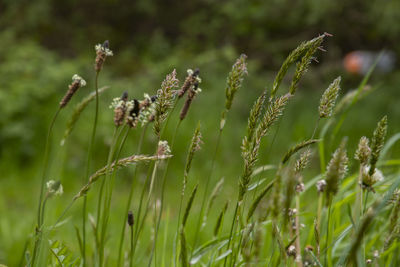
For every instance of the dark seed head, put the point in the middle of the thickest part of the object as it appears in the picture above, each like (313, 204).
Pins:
(131, 220)
(124, 96)
(196, 72)
(153, 98)
(106, 44)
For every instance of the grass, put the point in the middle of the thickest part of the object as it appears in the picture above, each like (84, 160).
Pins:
(315, 204)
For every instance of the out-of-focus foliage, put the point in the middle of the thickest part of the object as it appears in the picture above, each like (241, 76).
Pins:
(30, 77)
(155, 27)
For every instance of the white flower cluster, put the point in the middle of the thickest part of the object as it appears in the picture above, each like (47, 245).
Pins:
(116, 103)
(146, 112)
(369, 180)
(54, 188)
(130, 118)
(78, 78)
(100, 47)
(198, 80)
(163, 148)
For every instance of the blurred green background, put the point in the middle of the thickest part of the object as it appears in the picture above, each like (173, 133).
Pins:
(43, 43)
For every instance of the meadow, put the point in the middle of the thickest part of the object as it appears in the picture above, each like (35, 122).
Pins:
(203, 169)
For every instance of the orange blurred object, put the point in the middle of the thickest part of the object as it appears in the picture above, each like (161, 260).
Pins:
(359, 62)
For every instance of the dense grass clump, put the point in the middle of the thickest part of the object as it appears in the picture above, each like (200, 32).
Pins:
(278, 214)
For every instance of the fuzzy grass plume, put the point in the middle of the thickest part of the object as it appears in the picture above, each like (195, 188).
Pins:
(117, 165)
(377, 142)
(336, 170)
(164, 102)
(235, 79)
(250, 153)
(328, 99)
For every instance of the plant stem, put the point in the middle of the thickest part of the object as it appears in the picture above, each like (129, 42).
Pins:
(87, 173)
(108, 195)
(42, 184)
(231, 231)
(128, 203)
(109, 160)
(131, 254)
(140, 223)
(164, 180)
(318, 224)
(298, 259)
(203, 202)
(327, 252)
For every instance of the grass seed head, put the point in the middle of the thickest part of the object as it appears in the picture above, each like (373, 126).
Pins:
(363, 151)
(192, 77)
(77, 82)
(235, 79)
(131, 219)
(308, 48)
(336, 170)
(193, 91)
(378, 140)
(102, 52)
(165, 97)
(328, 99)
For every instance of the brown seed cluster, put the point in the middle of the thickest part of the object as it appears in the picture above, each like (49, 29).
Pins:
(77, 82)
(134, 111)
(189, 82)
(191, 94)
(102, 52)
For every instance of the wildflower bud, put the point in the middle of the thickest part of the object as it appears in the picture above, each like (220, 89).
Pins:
(376, 254)
(132, 111)
(363, 151)
(102, 52)
(292, 212)
(131, 219)
(54, 188)
(299, 187)
(369, 180)
(291, 251)
(321, 185)
(146, 109)
(189, 82)
(192, 93)
(120, 109)
(163, 149)
(328, 99)
(77, 82)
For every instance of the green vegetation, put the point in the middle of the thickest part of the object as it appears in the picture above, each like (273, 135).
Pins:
(264, 158)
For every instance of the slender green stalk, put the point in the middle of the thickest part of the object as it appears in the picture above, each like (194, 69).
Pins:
(138, 225)
(327, 249)
(109, 160)
(203, 202)
(298, 259)
(164, 182)
(128, 203)
(149, 179)
(318, 223)
(42, 184)
(107, 198)
(131, 254)
(235, 216)
(87, 173)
